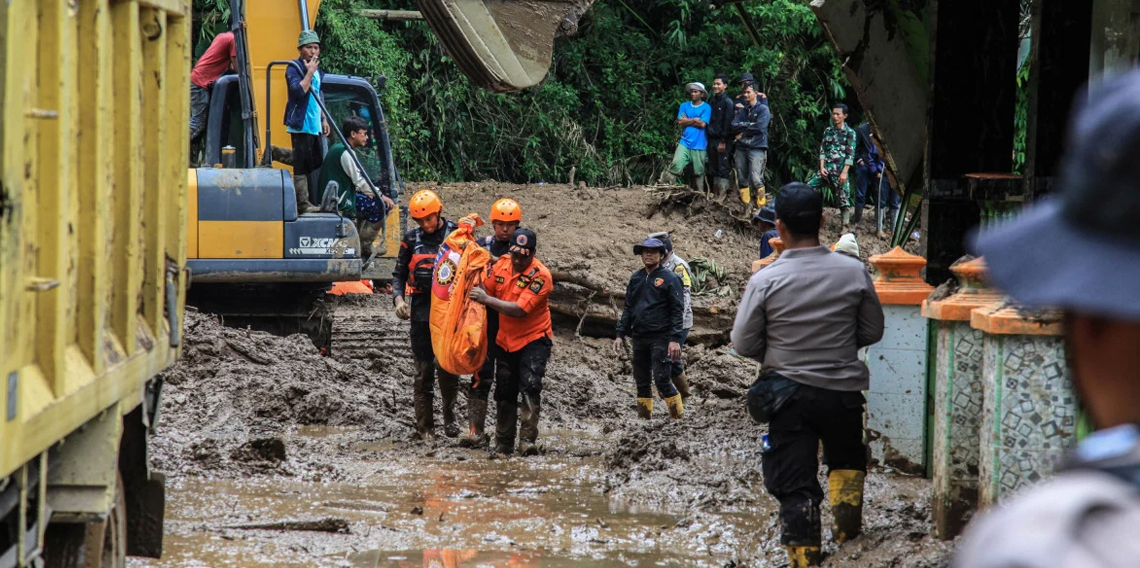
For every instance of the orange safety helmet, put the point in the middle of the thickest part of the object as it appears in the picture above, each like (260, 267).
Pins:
(506, 210)
(424, 203)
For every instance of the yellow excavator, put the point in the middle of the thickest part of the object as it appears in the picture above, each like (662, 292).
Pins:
(253, 257)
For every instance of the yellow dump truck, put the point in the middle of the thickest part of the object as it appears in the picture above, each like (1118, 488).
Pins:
(92, 254)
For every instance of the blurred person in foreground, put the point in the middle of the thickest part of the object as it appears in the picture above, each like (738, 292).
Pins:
(1088, 514)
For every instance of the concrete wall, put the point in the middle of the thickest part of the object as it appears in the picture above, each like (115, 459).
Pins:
(896, 401)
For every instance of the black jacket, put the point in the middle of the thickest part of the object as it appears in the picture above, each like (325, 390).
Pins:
(418, 250)
(752, 124)
(654, 305)
(720, 125)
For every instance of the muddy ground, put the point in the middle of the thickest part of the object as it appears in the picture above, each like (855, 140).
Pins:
(263, 435)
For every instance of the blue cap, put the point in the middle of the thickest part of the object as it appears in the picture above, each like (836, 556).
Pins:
(650, 243)
(1095, 213)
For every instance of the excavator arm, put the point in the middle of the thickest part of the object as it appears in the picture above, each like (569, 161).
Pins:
(502, 45)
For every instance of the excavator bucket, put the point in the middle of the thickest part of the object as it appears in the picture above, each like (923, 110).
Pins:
(502, 45)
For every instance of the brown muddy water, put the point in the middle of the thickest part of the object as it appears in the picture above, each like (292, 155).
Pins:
(462, 509)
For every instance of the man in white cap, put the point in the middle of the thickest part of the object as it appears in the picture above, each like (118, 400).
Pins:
(694, 116)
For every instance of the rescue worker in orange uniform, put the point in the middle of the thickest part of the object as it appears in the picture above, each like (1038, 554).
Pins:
(518, 286)
(411, 287)
(505, 218)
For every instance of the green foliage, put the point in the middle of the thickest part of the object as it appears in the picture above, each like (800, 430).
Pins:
(211, 17)
(609, 103)
(1021, 117)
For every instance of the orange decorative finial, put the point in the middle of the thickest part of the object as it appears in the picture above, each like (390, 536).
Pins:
(898, 281)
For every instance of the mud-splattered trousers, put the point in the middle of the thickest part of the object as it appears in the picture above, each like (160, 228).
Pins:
(525, 370)
(790, 467)
(652, 366)
(426, 372)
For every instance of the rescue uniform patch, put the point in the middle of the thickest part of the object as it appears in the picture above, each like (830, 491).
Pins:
(658, 281)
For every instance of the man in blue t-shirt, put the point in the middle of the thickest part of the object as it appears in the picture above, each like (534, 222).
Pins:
(694, 115)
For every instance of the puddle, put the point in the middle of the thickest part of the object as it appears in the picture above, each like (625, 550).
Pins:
(448, 558)
(472, 511)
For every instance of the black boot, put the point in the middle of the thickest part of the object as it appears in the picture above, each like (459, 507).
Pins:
(528, 430)
(857, 215)
(476, 418)
(448, 392)
(506, 421)
(423, 397)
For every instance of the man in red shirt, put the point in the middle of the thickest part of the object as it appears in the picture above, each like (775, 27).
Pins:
(518, 286)
(219, 58)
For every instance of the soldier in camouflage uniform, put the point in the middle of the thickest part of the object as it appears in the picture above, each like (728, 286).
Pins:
(836, 158)
(678, 266)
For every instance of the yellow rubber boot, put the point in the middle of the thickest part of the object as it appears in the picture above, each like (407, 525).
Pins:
(761, 197)
(845, 491)
(746, 195)
(800, 556)
(645, 408)
(676, 406)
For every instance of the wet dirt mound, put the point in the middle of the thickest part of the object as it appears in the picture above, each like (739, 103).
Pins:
(235, 393)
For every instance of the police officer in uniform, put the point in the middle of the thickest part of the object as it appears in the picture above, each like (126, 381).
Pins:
(677, 265)
(1089, 514)
(411, 294)
(505, 218)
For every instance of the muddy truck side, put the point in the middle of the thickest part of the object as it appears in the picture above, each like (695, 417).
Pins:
(92, 270)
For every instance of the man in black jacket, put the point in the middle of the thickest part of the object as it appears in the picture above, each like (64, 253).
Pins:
(719, 132)
(653, 318)
(411, 295)
(751, 126)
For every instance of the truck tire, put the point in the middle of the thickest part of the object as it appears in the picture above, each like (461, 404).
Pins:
(101, 544)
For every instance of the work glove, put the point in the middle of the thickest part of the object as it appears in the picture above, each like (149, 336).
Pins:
(403, 310)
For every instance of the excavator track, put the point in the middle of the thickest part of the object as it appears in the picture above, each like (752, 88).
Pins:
(365, 327)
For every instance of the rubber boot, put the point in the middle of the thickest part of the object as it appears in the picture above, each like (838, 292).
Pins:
(761, 197)
(448, 392)
(645, 408)
(857, 215)
(301, 187)
(368, 233)
(699, 183)
(845, 492)
(676, 407)
(528, 429)
(476, 435)
(746, 196)
(846, 216)
(800, 556)
(423, 397)
(506, 420)
(682, 384)
(720, 189)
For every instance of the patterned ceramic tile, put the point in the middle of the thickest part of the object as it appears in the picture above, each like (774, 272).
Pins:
(957, 416)
(1029, 413)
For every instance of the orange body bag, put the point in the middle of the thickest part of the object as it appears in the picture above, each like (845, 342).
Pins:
(459, 325)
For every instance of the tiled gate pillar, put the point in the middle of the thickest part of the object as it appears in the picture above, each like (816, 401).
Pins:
(957, 397)
(896, 401)
(1029, 412)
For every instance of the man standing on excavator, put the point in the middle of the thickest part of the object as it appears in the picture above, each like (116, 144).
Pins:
(303, 120)
(412, 279)
(355, 196)
(517, 287)
(505, 218)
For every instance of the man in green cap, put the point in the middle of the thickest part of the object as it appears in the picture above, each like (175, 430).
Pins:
(303, 120)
